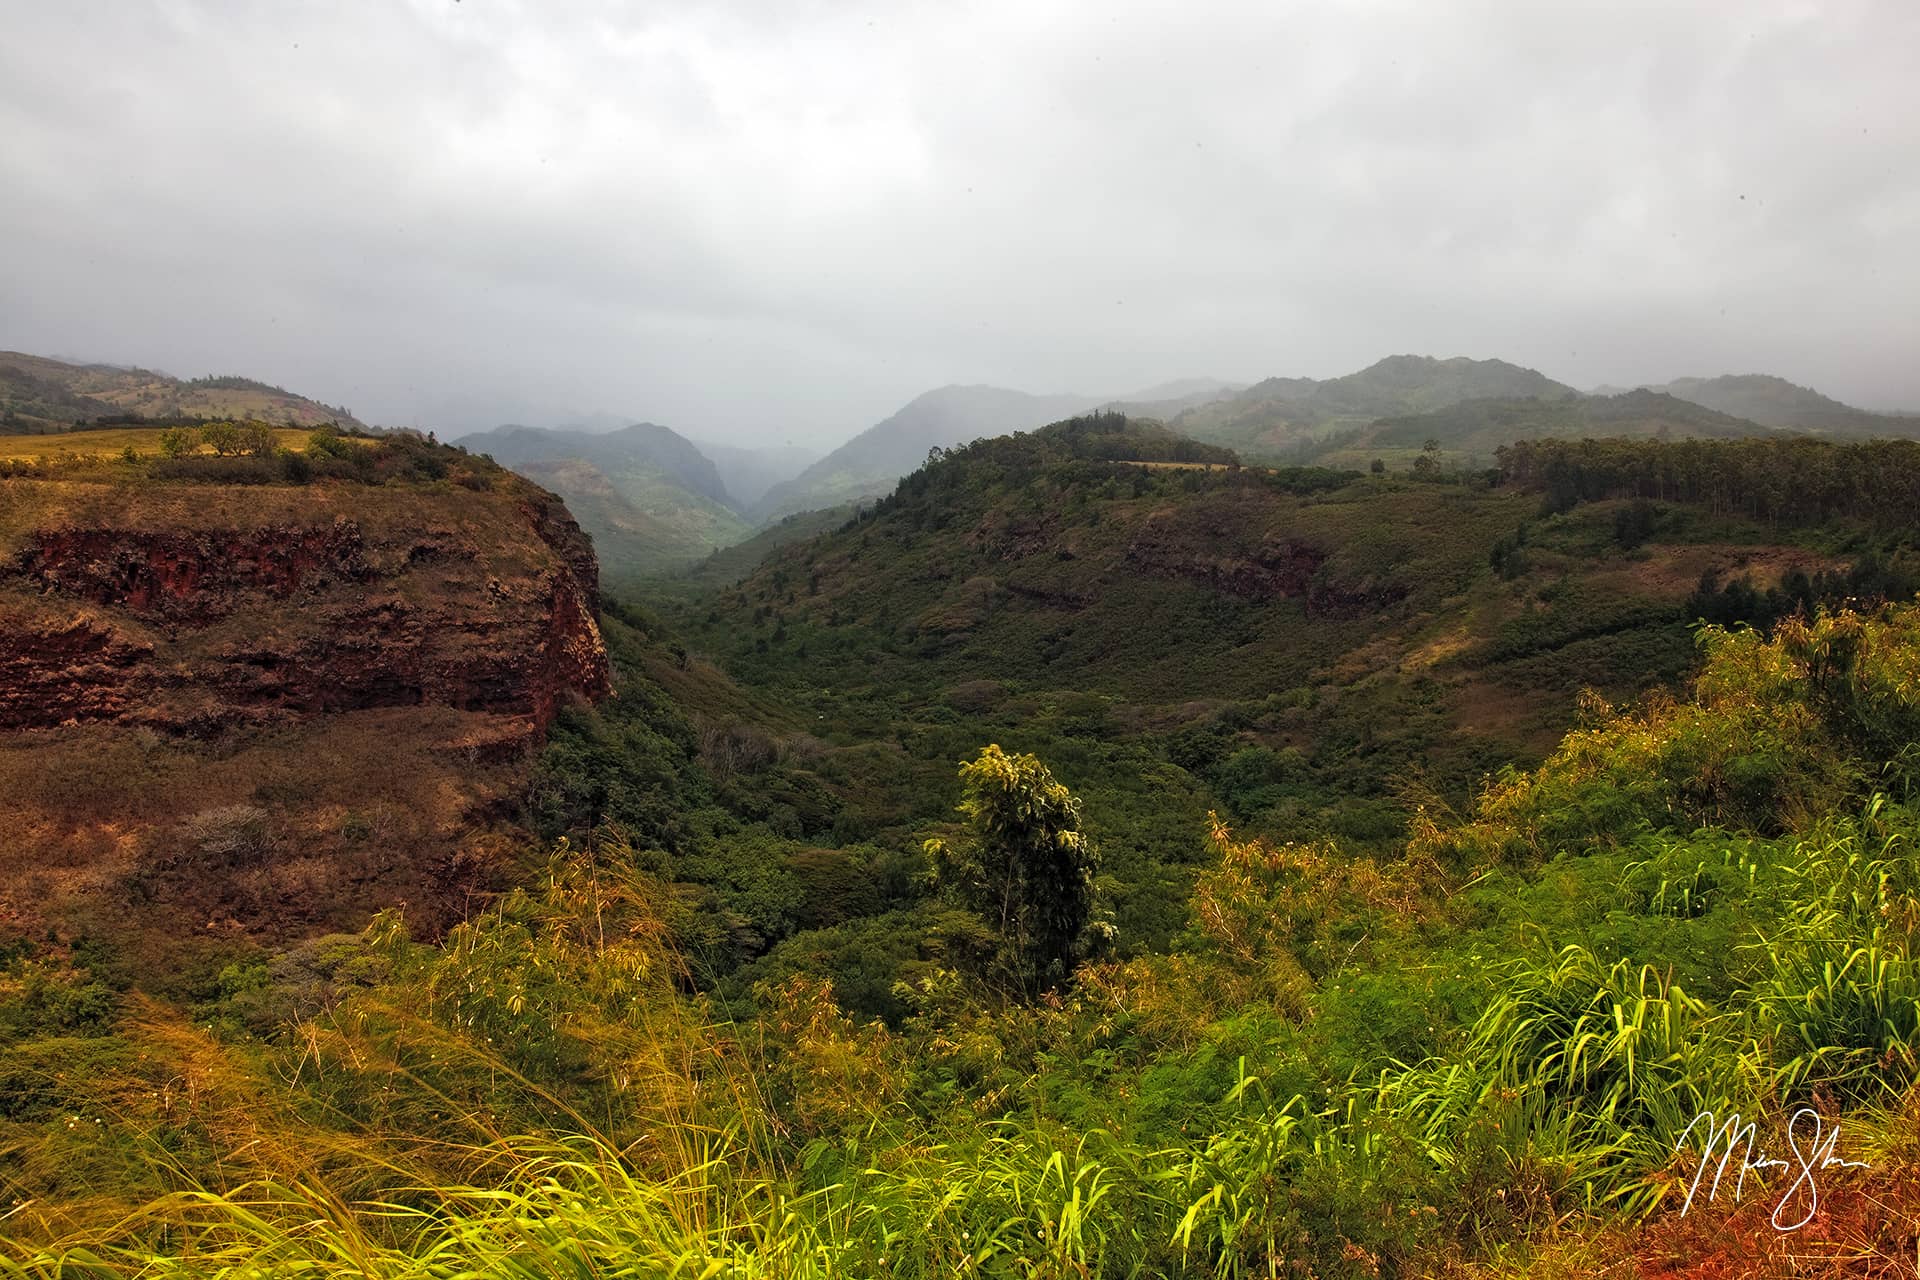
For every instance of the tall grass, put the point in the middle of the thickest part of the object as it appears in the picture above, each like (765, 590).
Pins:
(543, 1094)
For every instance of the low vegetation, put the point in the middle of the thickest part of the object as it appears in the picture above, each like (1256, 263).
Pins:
(1482, 1046)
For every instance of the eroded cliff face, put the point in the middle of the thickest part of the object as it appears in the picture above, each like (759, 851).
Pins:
(358, 671)
(239, 607)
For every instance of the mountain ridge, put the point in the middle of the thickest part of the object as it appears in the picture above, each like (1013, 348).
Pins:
(1774, 401)
(43, 394)
(1277, 412)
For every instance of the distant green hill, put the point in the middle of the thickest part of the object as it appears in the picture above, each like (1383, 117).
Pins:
(1268, 418)
(40, 394)
(1468, 433)
(1775, 402)
(651, 500)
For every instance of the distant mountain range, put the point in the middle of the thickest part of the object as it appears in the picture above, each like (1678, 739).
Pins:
(1469, 408)
(870, 464)
(657, 502)
(38, 394)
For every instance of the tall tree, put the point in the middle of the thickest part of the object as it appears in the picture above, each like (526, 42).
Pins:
(1024, 865)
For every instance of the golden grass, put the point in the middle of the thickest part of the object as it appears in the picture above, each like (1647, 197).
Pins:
(112, 442)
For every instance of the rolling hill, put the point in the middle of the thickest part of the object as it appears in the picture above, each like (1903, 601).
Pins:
(1468, 433)
(1270, 417)
(868, 465)
(38, 394)
(730, 564)
(1775, 402)
(1311, 651)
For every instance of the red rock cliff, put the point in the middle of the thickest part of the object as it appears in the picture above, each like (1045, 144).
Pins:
(187, 607)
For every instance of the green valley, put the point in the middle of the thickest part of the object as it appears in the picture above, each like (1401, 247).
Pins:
(1437, 866)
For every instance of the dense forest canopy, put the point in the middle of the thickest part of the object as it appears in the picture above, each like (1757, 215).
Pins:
(1794, 481)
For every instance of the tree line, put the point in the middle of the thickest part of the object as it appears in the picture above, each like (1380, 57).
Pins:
(1795, 481)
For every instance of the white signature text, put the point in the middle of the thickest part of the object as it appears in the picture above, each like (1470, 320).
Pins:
(1723, 1141)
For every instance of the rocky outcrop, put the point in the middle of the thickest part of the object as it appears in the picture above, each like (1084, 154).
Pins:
(52, 672)
(1216, 554)
(479, 601)
(191, 576)
(562, 534)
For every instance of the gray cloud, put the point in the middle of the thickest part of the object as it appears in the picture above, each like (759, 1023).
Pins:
(773, 221)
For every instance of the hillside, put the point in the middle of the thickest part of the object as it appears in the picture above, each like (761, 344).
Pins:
(871, 463)
(38, 394)
(652, 501)
(1775, 402)
(1469, 432)
(242, 699)
(1270, 417)
(1310, 650)
(730, 564)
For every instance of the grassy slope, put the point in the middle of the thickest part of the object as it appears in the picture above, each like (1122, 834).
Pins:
(1118, 583)
(1101, 615)
(111, 442)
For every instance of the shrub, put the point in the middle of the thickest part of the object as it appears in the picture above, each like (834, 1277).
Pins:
(229, 836)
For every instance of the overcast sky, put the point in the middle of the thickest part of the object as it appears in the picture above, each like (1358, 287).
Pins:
(781, 220)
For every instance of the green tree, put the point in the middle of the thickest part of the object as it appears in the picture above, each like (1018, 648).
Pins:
(1633, 523)
(223, 437)
(1024, 866)
(256, 439)
(178, 442)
